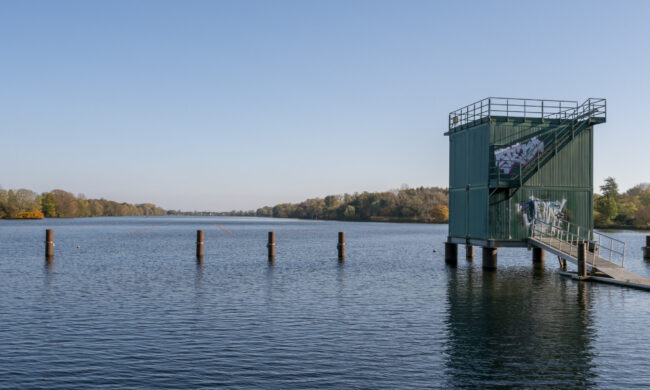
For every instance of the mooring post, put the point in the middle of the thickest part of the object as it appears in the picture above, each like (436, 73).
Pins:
(199, 244)
(582, 259)
(49, 243)
(341, 246)
(539, 255)
(593, 248)
(646, 248)
(489, 258)
(451, 253)
(271, 246)
(469, 252)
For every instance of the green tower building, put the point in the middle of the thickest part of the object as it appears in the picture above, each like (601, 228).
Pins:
(515, 160)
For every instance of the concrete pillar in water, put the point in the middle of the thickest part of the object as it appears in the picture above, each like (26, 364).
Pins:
(49, 243)
(582, 259)
(341, 246)
(271, 246)
(539, 255)
(489, 258)
(469, 252)
(451, 253)
(199, 244)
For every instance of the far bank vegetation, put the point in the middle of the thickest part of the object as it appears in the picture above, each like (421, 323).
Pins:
(27, 204)
(423, 204)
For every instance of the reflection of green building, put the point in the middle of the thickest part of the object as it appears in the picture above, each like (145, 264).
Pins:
(509, 331)
(512, 160)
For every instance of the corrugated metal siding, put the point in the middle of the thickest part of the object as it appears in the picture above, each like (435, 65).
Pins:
(478, 155)
(457, 214)
(499, 215)
(571, 167)
(507, 133)
(568, 177)
(469, 165)
(478, 213)
(458, 160)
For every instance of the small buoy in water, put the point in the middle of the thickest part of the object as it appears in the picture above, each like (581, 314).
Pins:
(434, 251)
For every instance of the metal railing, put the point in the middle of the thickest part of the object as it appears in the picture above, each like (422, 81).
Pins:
(566, 236)
(524, 108)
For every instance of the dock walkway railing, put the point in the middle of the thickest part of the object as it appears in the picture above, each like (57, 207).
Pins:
(565, 237)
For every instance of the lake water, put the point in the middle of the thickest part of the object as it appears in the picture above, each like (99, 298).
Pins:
(131, 307)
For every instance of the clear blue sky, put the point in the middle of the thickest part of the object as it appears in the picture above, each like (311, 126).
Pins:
(207, 105)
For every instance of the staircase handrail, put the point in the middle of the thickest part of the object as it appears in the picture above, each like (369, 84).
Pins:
(598, 242)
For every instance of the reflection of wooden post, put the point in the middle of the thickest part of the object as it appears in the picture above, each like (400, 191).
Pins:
(451, 253)
(341, 246)
(582, 259)
(49, 243)
(199, 244)
(271, 246)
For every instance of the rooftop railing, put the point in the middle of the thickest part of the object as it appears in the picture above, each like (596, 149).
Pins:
(525, 108)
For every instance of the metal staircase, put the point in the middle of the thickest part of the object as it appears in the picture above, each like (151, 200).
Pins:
(515, 163)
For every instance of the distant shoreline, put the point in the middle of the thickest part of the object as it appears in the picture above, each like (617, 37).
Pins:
(377, 219)
(394, 220)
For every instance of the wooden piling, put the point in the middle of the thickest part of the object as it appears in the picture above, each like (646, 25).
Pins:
(199, 244)
(646, 248)
(341, 246)
(469, 252)
(582, 259)
(49, 243)
(593, 248)
(451, 253)
(489, 259)
(539, 255)
(271, 246)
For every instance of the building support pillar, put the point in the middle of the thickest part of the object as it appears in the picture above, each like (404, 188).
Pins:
(539, 255)
(469, 252)
(582, 260)
(489, 258)
(451, 253)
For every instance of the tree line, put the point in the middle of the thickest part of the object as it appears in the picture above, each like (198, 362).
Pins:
(404, 205)
(23, 203)
(628, 209)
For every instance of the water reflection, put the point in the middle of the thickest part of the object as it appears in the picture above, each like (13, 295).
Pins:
(49, 270)
(270, 275)
(517, 326)
(199, 273)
